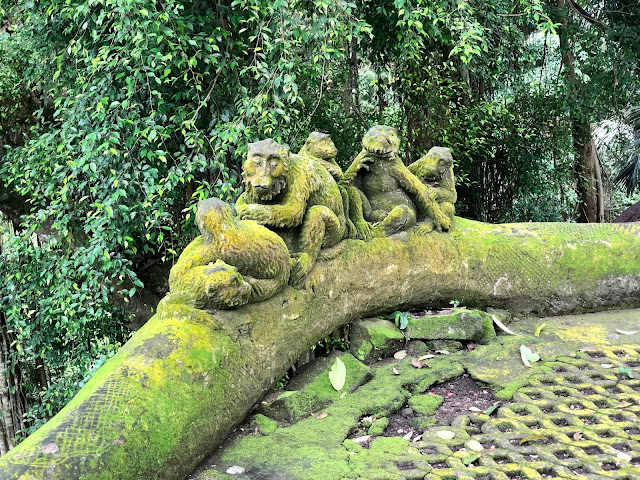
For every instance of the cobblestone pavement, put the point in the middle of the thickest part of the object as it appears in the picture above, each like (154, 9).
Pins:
(575, 414)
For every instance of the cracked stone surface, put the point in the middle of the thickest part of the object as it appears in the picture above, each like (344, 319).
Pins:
(572, 415)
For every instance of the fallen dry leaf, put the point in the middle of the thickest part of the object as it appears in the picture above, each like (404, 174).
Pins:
(476, 409)
(446, 434)
(361, 440)
(443, 352)
(395, 371)
(322, 415)
(426, 357)
(627, 332)
(624, 456)
(606, 365)
(416, 363)
(624, 404)
(400, 355)
(408, 435)
(577, 436)
(501, 325)
(235, 470)
(474, 445)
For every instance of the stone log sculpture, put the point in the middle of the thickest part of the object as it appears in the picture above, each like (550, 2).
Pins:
(172, 394)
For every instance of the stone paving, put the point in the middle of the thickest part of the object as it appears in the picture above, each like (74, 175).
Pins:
(572, 415)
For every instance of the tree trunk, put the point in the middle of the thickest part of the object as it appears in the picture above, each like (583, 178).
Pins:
(586, 165)
(175, 390)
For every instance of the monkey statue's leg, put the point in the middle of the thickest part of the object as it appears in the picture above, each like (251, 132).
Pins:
(263, 288)
(351, 228)
(448, 209)
(428, 225)
(401, 217)
(320, 227)
(356, 214)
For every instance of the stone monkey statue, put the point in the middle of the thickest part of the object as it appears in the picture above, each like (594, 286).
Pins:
(392, 197)
(289, 191)
(232, 263)
(435, 169)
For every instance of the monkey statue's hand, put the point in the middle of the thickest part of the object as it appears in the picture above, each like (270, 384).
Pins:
(258, 213)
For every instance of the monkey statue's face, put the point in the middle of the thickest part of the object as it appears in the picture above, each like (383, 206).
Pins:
(382, 141)
(319, 145)
(265, 171)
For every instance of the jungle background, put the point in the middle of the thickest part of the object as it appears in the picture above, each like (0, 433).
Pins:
(118, 116)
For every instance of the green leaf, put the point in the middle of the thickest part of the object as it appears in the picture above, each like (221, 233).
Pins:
(627, 371)
(491, 409)
(338, 374)
(469, 458)
(539, 329)
(528, 356)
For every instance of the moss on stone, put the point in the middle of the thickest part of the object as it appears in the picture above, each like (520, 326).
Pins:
(461, 324)
(426, 404)
(265, 425)
(379, 426)
(374, 339)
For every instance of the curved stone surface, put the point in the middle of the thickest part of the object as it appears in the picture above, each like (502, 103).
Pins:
(176, 389)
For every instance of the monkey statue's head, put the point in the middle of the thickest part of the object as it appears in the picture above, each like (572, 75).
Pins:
(211, 215)
(265, 170)
(382, 141)
(436, 165)
(319, 145)
(225, 287)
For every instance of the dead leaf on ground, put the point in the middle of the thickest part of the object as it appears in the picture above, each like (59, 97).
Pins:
(417, 364)
(476, 409)
(408, 435)
(624, 456)
(443, 352)
(502, 326)
(446, 434)
(627, 332)
(606, 365)
(322, 415)
(361, 440)
(577, 436)
(624, 404)
(588, 348)
(400, 355)
(426, 357)
(395, 371)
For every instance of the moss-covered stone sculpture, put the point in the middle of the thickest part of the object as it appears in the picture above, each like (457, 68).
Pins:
(391, 196)
(177, 388)
(320, 148)
(435, 169)
(288, 191)
(232, 263)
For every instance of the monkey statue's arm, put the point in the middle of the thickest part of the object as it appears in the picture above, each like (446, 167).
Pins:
(359, 163)
(423, 197)
(334, 168)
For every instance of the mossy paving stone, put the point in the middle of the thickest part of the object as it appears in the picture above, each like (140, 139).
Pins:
(569, 416)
